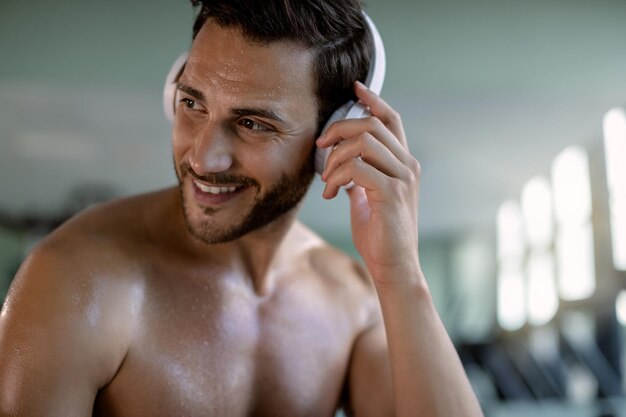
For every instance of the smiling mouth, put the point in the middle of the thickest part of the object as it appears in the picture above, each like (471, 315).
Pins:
(216, 190)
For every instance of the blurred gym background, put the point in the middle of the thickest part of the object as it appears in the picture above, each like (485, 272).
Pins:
(514, 109)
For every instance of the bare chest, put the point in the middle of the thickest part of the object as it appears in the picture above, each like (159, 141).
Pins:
(218, 352)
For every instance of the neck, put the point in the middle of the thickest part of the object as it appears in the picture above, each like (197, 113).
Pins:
(255, 256)
(260, 253)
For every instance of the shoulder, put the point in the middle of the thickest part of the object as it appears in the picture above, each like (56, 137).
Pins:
(76, 299)
(93, 248)
(342, 275)
(93, 259)
(334, 264)
(124, 219)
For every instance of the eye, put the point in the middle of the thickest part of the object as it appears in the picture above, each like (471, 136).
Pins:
(252, 125)
(189, 103)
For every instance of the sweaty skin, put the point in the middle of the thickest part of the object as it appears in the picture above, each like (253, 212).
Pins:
(190, 302)
(123, 312)
(137, 326)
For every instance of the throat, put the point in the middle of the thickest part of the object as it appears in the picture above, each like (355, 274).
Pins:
(266, 261)
(260, 273)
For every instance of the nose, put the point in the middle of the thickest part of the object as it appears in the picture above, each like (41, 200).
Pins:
(212, 151)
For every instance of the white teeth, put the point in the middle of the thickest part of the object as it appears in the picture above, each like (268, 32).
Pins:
(214, 190)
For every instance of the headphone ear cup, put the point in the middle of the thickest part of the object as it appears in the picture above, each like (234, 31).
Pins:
(322, 154)
(170, 88)
(352, 110)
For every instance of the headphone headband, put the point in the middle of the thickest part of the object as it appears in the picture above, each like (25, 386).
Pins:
(376, 73)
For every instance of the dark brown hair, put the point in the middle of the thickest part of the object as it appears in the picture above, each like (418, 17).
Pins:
(335, 30)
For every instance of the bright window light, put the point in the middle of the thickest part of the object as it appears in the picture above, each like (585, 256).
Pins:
(511, 300)
(511, 308)
(543, 301)
(620, 307)
(615, 151)
(576, 264)
(571, 186)
(574, 242)
(510, 231)
(537, 212)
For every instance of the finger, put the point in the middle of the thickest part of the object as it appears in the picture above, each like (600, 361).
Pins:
(381, 109)
(345, 129)
(357, 171)
(370, 150)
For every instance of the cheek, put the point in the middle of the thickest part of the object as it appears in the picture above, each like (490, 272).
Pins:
(181, 139)
(286, 158)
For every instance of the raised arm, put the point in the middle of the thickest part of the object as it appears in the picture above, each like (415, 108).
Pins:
(426, 372)
(60, 338)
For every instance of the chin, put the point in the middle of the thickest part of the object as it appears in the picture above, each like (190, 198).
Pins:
(211, 225)
(245, 213)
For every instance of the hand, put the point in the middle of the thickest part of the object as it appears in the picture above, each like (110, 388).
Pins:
(373, 153)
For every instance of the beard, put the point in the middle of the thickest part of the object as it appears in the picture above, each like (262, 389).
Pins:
(279, 199)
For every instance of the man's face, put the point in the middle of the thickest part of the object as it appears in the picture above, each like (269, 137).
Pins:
(243, 133)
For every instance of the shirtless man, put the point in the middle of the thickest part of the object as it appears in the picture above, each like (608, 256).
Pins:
(210, 299)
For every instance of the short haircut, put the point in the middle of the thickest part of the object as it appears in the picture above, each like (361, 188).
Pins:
(334, 30)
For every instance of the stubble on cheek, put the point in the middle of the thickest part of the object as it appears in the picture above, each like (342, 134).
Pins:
(281, 198)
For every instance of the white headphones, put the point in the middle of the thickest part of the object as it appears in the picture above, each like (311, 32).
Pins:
(350, 110)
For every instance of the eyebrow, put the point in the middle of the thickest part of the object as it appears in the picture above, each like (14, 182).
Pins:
(268, 114)
(199, 95)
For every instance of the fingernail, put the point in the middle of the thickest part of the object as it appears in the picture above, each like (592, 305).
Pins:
(360, 85)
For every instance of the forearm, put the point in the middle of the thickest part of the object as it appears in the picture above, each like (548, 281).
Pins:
(428, 377)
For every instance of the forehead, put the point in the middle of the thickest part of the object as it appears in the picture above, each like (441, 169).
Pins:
(222, 58)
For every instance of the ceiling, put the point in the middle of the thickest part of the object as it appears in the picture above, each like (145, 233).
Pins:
(490, 91)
